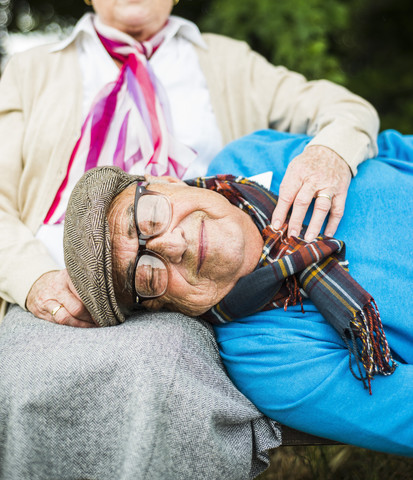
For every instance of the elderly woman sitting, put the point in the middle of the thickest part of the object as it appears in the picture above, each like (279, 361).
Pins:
(207, 248)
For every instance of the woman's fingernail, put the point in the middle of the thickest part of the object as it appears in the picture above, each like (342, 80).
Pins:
(293, 233)
(276, 224)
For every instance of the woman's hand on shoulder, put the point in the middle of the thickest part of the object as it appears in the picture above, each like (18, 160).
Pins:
(318, 173)
(53, 297)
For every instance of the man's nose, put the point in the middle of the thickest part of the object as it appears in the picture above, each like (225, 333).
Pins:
(171, 245)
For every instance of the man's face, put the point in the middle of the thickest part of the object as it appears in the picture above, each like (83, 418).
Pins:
(208, 246)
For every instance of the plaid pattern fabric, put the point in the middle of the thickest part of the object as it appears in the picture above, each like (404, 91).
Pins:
(290, 268)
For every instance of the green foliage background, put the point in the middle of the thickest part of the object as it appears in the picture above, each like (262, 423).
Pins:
(365, 45)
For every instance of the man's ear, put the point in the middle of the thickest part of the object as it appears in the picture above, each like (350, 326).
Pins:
(162, 179)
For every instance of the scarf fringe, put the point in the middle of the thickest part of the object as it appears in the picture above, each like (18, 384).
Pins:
(370, 346)
(294, 293)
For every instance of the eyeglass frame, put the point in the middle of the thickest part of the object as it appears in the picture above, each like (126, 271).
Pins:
(142, 239)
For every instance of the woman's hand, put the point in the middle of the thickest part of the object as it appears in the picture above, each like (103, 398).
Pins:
(318, 173)
(53, 298)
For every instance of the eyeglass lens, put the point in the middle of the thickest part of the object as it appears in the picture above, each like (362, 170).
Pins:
(151, 277)
(153, 215)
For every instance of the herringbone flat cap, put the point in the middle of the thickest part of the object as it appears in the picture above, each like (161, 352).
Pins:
(86, 241)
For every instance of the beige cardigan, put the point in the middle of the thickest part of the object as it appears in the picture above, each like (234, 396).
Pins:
(40, 121)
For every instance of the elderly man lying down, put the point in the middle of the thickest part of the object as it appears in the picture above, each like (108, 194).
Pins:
(295, 329)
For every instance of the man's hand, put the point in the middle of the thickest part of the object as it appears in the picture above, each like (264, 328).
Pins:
(54, 298)
(317, 173)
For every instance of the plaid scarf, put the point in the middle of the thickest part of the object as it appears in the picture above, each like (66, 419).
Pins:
(128, 125)
(290, 268)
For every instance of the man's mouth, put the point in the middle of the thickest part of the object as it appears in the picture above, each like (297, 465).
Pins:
(202, 246)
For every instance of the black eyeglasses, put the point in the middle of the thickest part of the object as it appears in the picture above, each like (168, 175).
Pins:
(153, 213)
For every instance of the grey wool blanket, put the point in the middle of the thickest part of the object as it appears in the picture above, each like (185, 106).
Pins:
(145, 400)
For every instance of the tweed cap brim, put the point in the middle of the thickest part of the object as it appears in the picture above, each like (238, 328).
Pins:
(86, 243)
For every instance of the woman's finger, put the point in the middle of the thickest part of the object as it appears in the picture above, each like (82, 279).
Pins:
(60, 315)
(301, 203)
(322, 207)
(336, 214)
(75, 307)
(73, 303)
(289, 188)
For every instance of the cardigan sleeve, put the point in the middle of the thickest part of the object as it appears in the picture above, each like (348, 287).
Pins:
(23, 259)
(335, 117)
(249, 93)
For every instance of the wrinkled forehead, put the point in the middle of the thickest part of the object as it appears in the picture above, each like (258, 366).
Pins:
(167, 188)
(122, 208)
(181, 190)
(125, 197)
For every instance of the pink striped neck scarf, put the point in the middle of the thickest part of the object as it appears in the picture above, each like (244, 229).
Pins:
(128, 125)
